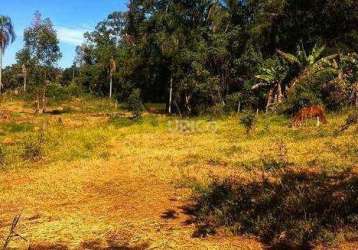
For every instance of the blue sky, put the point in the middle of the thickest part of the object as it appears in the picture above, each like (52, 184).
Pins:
(71, 19)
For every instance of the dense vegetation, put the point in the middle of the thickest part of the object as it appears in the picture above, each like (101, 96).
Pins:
(204, 56)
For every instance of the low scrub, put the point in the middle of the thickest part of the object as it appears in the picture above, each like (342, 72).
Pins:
(33, 147)
(296, 210)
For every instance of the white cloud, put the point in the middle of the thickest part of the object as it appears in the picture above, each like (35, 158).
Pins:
(70, 35)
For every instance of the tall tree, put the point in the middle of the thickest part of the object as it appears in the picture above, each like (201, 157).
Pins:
(7, 36)
(42, 43)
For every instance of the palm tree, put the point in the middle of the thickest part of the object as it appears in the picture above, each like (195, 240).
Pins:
(7, 36)
(307, 63)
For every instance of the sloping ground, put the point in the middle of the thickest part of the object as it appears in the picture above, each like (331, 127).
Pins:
(111, 184)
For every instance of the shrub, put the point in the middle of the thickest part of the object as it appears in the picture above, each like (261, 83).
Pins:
(74, 90)
(33, 147)
(135, 104)
(248, 121)
(335, 94)
(233, 102)
(308, 91)
(57, 92)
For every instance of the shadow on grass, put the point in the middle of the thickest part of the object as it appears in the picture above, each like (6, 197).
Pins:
(296, 210)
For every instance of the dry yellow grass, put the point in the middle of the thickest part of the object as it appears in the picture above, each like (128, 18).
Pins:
(102, 183)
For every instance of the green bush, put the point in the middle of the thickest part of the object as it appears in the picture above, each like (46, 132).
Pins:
(57, 92)
(135, 104)
(308, 91)
(335, 94)
(248, 121)
(232, 102)
(74, 90)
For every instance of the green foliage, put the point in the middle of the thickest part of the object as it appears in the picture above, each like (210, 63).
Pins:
(135, 104)
(233, 102)
(307, 91)
(204, 53)
(248, 121)
(7, 33)
(57, 92)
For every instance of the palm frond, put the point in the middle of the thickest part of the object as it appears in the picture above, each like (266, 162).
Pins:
(267, 78)
(259, 85)
(316, 53)
(289, 57)
(7, 33)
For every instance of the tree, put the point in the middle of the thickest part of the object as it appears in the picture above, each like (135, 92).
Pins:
(135, 104)
(306, 62)
(23, 58)
(7, 36)
(43, 46)
(272, 74)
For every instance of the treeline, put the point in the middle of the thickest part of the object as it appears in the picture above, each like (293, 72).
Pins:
(215, 56)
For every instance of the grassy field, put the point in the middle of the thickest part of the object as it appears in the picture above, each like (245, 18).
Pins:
(84, 176)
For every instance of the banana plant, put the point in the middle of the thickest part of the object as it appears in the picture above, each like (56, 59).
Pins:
(272, 74)
(307, 62)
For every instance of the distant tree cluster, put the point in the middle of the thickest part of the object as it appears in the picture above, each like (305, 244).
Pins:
(212, 56)
(200, 55)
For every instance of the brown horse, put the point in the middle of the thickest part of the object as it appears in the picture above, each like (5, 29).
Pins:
(309, 113)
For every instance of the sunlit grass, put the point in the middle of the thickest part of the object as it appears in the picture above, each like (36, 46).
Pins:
(100, 170)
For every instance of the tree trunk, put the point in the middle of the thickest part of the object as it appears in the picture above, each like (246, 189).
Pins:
(1, 55)
(239, 107)
(110, 86)
(170, 96)
(280, 94)
(44, 99)
(269, 100)
(25, 81)
(37, 102)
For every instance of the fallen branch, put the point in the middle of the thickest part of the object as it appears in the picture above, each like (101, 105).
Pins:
(13, 232)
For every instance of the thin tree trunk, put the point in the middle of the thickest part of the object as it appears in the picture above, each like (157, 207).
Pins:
(170, 96)
(37, 102)
(44, 93)
(1, 55)
(110, 86)
(269, 100)
(44, 99)
(25, 81)
(280, 94)
(239, 107)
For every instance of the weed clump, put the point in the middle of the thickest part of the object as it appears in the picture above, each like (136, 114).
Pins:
(248, 121)
(33, 147)
(351, 120)
(2, 156)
